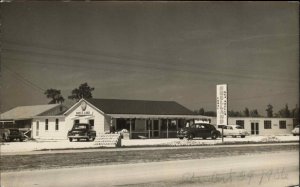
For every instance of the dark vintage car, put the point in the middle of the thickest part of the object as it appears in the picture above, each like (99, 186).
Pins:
(82, 131)
(13, 134)
(202, 130)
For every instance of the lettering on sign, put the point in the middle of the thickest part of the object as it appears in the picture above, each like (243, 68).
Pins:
(221, 104)
(84, 113)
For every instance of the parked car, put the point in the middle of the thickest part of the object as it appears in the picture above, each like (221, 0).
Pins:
(13, 134)
(233, 130)
(295, 131)
(202, 130)
(82, 131)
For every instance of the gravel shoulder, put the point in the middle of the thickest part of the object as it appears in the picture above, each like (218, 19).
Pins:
(98, 158)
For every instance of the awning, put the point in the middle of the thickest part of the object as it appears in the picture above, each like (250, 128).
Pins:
(145, 116)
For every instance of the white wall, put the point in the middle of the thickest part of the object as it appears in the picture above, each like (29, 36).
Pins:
(99, 119)
(101, 123)
(51, 133)
(275, 130)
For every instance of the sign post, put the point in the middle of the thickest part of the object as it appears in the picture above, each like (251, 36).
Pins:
(222, 106)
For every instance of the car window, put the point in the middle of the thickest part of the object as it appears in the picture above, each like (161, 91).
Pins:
(203, 126)
(80, 127)
(230, 128)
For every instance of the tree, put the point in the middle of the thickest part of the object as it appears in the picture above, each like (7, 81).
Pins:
(210, 113)
(269, 111)
(285, 112)
(83, 91)
(54, 95)
(295, 115)
(246, 112)
(201, 111)
(254, 113)
(233, 113)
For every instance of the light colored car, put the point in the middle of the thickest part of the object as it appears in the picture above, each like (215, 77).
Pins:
(233, 130)
(295, 131)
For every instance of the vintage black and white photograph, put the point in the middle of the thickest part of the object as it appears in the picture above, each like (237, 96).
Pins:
(149, 93)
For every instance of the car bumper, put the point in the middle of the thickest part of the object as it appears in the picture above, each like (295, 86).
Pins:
(181, 135)
(78, 137)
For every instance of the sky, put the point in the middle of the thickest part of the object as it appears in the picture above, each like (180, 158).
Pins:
(173, 51)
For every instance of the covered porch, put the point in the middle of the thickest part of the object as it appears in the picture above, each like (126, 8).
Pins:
(152, 126)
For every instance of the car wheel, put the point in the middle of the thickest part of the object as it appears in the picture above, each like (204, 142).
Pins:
(181, 138)
(21, 140)
(88, 139)
(204, 138)
(191, 136)
(70, 139)
(294, 134)
(243, 136)
(214, 136)
(233, 136)
(93, 139)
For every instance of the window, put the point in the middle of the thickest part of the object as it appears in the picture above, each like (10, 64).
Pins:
(148, 124)
(91, 122)
(56, 124)
(268, 124)
(46, 124)
(37, 128)
(241, 123)
(282, 124)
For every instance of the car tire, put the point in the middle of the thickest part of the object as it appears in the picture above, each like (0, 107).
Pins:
(191, 136)
(21, 140)
(233, 136)
(70, 139)
(204, 138)
(214, 136)
(88, 139)
(181, 138)
(243, 136)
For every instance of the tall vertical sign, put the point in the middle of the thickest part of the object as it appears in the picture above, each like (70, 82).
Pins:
(222, 104)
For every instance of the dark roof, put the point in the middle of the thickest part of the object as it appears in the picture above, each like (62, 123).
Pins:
(120, 106)
(57, 111)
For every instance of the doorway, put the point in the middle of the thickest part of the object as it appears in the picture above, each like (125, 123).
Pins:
(152, 128)
(254, 128)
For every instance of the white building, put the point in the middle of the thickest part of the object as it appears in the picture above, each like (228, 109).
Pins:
(142, 119)
(263, 125)
(150, 119)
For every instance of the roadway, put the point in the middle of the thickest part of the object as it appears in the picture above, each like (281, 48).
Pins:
(262, 169)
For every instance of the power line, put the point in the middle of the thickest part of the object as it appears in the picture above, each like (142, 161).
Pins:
(160, 68)
(24, 80)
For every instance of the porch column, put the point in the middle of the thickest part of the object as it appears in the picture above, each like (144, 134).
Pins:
(111, 126)
(167, 128)
(130, 129)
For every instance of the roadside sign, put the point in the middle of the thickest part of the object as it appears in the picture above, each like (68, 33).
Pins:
(222, 104)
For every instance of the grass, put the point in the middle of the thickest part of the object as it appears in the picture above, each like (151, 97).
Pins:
(59, 160)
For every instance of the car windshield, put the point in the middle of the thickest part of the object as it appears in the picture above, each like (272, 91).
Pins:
(80, 126)
(238, 127)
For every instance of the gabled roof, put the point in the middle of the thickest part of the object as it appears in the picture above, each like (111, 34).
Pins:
(121, 106)
(26, 112)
